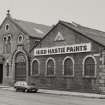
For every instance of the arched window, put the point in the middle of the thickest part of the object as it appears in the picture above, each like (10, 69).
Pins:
(68, 64)
(89, 67)
(20, 67)
(50, 66)
(35, 67)
(20, 38)
(7, 27)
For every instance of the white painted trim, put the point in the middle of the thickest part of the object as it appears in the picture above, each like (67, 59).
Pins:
(50, 58)
(84, 62)
(63, 65)
(35, 59)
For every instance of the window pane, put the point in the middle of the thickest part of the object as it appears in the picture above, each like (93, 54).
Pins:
(68, 67)
(50, 67)
(35, 68)
(89, 67)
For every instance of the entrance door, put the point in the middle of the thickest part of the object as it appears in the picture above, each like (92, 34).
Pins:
(1, 73)
(20, 67)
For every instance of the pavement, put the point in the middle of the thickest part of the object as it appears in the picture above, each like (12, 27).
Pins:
(57, 92)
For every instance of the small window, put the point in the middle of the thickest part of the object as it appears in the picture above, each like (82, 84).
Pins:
(20, 38)
(4, 39)
(7, 27)
(9, 38)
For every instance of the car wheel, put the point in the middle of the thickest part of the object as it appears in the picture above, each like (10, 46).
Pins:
(16, 89)
(26, 90)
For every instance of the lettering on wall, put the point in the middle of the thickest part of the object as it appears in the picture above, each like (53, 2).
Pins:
(77, 48)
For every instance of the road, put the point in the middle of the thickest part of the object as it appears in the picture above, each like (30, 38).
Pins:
(19, 98)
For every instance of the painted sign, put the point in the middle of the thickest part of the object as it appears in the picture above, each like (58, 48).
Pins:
(77, 48)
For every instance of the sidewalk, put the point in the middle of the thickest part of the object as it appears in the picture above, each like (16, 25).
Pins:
(78, 94)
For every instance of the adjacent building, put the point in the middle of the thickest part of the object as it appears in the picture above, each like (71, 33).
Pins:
(17, 37)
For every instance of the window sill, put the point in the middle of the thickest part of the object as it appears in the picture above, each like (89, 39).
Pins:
(68, 76)
(50, 76)
(37, 75)
(89, 76)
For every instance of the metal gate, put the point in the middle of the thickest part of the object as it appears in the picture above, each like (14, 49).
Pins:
(20, 67)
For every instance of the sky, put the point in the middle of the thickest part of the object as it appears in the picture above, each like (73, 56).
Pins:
(90, 13)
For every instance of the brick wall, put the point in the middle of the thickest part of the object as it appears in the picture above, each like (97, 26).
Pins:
(76, 83)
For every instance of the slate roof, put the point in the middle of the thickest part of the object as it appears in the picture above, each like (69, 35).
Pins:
(33, 29)
(96, 35)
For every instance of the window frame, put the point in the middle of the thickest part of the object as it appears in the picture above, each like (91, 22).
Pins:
(6, 27)
(50, 58)
(35, 59)
(5, 38)
(7, 69)
(68, 57)
(20, 35)
(83, 63)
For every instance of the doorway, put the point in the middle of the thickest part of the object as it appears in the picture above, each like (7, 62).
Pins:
(1, 73)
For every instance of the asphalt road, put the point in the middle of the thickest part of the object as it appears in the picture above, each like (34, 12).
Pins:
(19, 98)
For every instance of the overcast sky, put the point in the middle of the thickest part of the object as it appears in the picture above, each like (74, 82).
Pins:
(90, 13)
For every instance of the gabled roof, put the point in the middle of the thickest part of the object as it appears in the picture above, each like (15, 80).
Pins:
(93, 34)
(96, 35)
(33, 29)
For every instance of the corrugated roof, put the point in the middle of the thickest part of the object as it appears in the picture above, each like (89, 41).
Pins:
(33, 29)
(96, 35)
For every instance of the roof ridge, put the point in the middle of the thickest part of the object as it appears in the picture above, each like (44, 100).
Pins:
(30, 22)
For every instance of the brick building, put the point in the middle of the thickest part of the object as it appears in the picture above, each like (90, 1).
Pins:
(70, 57)
(17, 37)
(67, 56)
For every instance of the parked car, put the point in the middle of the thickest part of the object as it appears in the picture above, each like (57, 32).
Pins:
(24, 87)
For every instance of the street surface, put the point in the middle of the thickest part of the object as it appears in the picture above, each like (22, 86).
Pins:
(19, 98)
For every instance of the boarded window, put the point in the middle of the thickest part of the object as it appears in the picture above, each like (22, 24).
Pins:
(68, 67)
(89, 67)
(50, 67)
(35, 67)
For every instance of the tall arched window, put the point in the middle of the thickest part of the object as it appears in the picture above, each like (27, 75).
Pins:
(35, 67)
(20, 67)
(89, 67)
(50, 66)
(7, 43)
(68, 64)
